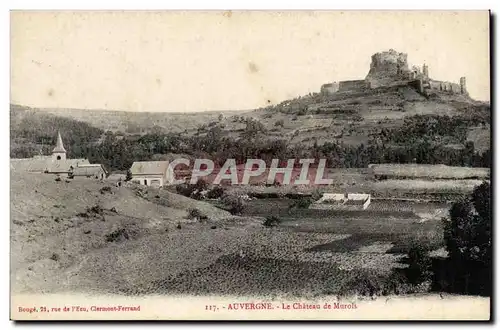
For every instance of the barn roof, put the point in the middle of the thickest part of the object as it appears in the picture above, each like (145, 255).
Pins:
(86, 170)
(149, 167)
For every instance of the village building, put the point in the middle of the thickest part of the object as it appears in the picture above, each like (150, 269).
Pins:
(95, 171)
(150, 173)
(57, 163)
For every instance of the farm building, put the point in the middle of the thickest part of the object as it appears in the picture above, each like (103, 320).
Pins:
(150, 173)
(65, 167)
(422, 171)
(95, 171)
(342, 202)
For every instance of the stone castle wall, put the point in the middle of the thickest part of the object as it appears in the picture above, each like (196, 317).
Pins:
(330, 88)
(353, 85)
(444, 86)
(390, 68)
(388, 63)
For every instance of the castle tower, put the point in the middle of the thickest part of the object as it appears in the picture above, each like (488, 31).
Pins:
(59, 153)
(425, 71)
(463, 85)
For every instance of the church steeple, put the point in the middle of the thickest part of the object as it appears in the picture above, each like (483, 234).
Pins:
(59, 152)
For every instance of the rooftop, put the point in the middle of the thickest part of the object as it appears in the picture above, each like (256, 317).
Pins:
(149, 167)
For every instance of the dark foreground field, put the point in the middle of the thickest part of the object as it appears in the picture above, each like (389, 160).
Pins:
(397, 224)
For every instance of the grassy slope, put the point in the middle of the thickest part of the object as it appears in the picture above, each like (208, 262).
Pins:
(49, 220)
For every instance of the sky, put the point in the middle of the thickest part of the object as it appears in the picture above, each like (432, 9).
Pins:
(212, 60)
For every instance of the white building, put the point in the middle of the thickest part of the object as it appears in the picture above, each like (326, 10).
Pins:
(343, 202)
(150, 173)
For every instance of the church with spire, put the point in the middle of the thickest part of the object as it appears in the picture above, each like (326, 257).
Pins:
(59, 164)
(59, 153)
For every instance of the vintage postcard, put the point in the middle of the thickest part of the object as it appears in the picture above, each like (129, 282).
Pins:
(250, 165)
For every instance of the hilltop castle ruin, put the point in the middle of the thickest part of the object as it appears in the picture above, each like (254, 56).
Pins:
(390, 68)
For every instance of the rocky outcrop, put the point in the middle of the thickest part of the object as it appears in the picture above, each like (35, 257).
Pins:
(387, 67)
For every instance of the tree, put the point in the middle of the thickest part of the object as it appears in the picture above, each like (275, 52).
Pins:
(467, 235)
(128, 177)
(279, 123)
(419, 265)
(235, 204)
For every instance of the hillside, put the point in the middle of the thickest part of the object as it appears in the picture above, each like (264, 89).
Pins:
(351, 118)
(58, 227)
(350, 129)
(348, 117)
(139, 122)
(33, 131)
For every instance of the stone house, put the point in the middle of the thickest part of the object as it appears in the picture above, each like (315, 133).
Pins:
(150, 173)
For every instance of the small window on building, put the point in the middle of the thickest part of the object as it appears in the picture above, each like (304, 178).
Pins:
(58, 157)
(146, 182)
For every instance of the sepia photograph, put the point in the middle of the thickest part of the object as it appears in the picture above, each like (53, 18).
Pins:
(250, 165)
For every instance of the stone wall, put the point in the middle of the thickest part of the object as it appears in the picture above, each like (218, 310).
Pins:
(390, 68)
(353, 85)
(445, 86)
(330, 88)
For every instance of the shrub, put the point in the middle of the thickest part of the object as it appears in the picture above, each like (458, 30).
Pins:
(302, 111)
(302, 203)
(316, 195)
(117, 235)
(196, 214)
(104, 190)
(215, 193)
(419, 269)
(235, 204)
(96, 209)
(192, 190)
(279, 123)
(197, 189)
(184, 189)
(272, 221)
